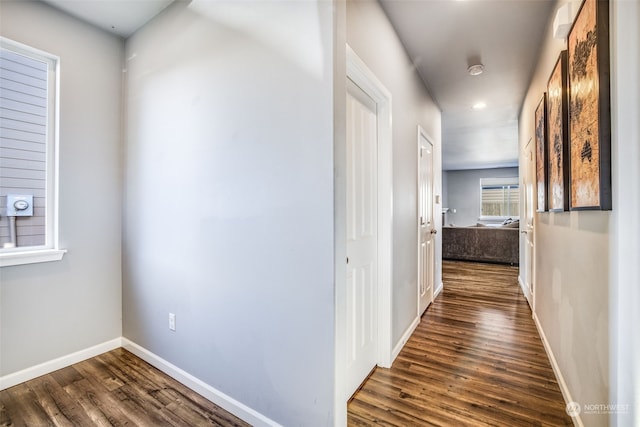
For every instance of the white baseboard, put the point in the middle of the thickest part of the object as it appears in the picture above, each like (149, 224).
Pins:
(437, 291)
(405, 337)
(525, 291)
(577, 421)
(216, 396)
(412, 327)
(59, 363)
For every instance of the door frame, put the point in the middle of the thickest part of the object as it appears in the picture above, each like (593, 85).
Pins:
(423, 133)
(358, 72)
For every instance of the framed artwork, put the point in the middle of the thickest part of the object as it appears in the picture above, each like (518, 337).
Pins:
(541, 154)
(589, 107)
(558, 122)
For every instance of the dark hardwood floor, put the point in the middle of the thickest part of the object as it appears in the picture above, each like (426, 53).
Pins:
(113, 389)
(476, 359)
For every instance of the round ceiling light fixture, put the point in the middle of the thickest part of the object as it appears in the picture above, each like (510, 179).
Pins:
(475, 70)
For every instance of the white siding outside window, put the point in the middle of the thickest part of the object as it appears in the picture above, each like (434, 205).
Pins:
(28, 153)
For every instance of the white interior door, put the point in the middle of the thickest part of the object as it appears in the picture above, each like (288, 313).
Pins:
(526, 229)
(362, 236)
(426, 225)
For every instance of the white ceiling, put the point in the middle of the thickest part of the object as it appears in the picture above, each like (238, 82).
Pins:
(443, 37)
(121, 17)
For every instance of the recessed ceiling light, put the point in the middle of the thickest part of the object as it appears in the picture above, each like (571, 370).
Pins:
(479, 105)
(475, 70)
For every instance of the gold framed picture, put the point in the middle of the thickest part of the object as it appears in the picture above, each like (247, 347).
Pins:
(589, 107)
(558, 121)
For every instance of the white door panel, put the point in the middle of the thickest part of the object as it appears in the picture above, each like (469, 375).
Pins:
(362, 247)
(527, 227)
(426, 226)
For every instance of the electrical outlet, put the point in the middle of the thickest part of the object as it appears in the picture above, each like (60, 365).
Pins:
(172, 321)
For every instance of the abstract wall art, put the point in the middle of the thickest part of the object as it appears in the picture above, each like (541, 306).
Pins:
(589, 108)
(541, 154)
(558, 120)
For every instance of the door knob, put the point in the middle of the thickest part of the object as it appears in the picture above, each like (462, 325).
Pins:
(434, 231)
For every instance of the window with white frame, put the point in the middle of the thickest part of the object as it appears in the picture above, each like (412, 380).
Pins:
(28, 154)
(499, 198)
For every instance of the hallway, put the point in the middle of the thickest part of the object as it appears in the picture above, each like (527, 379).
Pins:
(475, 359)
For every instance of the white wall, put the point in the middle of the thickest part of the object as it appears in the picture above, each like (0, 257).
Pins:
(229, 201)
(445, 190)
(624, 292)
(572, 273)
(374, 40)
(463, 193)
(53, 309)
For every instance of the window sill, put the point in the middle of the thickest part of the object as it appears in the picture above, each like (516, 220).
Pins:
(31, 257)
(498, 218)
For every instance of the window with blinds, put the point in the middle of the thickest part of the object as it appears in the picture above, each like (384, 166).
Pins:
(499, 197)
(27, 147)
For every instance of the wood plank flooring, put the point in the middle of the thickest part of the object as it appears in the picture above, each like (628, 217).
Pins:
(113, 389)
(476, 359)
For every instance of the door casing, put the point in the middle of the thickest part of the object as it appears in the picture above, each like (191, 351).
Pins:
(361, 75)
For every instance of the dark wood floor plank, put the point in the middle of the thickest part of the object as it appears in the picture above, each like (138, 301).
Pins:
(59, 406)
(140, 378)
(100, 373)
(176, 390)
(142, 395)
(66, 376)
(475, 359)
(97, 403)
(101, 388)
(110, 390)
(24, 400)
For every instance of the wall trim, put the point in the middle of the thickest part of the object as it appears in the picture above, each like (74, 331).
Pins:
(405, 337)
(437, 291)
(61, 362)
(226, 402)
(411, 329)
(577, 421)
(525, 291)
